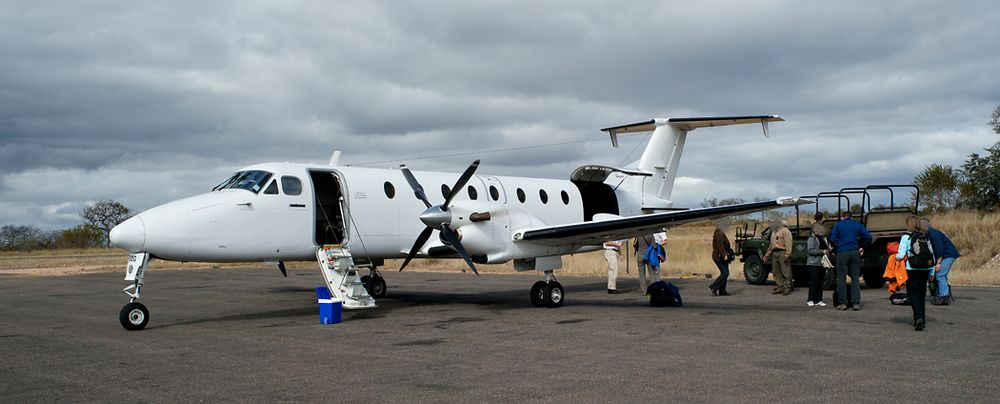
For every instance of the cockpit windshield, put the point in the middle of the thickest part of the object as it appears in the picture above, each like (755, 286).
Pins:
(252, 180)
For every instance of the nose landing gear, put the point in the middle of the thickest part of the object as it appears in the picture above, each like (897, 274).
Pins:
(134, 316)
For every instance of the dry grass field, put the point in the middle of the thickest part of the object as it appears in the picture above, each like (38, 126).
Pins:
(688, 255)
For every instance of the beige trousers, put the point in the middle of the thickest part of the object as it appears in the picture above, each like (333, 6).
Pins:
(612, 257)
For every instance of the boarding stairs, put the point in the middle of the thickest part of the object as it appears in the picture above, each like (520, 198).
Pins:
(341, 274)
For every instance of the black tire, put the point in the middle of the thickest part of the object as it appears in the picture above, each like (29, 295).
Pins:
(754, 271)
(374, 285)
(554, 295)
(134, 316)
(537, 294)
(873, 280)
(830, 281)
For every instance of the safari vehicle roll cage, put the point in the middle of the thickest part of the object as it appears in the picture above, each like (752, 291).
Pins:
(879, 218)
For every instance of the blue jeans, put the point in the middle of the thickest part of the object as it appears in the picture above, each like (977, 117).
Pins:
(942, 276)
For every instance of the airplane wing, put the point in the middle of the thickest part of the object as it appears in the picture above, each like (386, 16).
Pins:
(596, 232)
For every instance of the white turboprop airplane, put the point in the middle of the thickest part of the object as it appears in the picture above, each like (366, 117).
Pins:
(276, 212)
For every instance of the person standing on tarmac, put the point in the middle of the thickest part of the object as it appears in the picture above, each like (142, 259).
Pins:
(642, 246)
(721, 255)
(817, 246)
(611, 253)
(851, 238)
(780, 255)
(945, 253)
(916, 278)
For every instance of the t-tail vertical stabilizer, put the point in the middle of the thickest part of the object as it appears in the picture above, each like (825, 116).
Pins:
(663, 153)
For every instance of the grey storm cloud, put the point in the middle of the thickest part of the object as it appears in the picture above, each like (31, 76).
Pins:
(148, 102)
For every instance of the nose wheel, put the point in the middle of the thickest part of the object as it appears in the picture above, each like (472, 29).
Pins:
(134, 316)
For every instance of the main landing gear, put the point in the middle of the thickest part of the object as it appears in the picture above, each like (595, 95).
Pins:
(548, 293)
(374, 283)
(134, 316)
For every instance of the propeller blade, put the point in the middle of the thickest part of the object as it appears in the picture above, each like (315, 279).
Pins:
(417, 189)
(417, 245)
(464, 179)
(457, 245)
(281, 267)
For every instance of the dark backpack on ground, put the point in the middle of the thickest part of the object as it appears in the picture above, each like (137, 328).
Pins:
(664, 294)
(900, 299)
(921, 253)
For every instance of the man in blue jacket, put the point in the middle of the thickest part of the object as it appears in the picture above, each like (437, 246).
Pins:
(945, 253)
(851, 238)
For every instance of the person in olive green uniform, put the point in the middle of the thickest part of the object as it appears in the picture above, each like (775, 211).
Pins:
(780, 255)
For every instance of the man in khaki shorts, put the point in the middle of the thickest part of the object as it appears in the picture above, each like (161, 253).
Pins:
(780, 255)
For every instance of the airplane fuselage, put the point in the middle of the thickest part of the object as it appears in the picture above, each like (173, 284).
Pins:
(295, 208)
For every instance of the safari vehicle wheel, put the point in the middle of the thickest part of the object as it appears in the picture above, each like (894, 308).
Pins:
(873, 280)
(134, 316)
(753, 270)
(537, 294)
(830, 281)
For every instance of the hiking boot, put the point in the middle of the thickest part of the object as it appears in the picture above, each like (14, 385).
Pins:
(841, 307)
(778, 291)
(918, 325)
(724, 293)
(613, 291)
(856, 307)
(786, 292)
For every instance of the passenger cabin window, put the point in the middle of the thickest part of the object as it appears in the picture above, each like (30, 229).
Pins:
(272, 188)
(472, 193)
(543, 196)
(494, 194)
(445, 190)
(291, 185)
(252, 180)
(390, 191)
(565, 197)
(520, 195)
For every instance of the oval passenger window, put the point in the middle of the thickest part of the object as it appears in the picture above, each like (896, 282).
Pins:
(565, 198)
(494, 194)
(390, 191)
(520, 195)
(543, 196)
(472, 193)
(291, 185)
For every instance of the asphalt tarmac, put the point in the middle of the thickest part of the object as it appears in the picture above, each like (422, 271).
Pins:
(251, 335)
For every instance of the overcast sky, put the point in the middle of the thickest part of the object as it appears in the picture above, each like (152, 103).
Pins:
(147, 102)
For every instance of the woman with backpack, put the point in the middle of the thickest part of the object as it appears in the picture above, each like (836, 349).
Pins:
(817, 248)
(915, 248)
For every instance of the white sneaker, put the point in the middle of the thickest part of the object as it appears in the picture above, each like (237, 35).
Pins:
(821, 304)
(810, 303)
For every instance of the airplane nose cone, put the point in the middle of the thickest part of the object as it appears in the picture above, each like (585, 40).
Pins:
(129, 235)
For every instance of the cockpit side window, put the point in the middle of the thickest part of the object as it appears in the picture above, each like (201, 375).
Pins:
(272, 188)
(291, 185)
(251, 181)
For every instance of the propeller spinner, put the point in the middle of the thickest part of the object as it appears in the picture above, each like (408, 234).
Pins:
(437, 217)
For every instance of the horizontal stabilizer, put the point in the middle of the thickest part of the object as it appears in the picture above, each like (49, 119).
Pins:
(691, 123)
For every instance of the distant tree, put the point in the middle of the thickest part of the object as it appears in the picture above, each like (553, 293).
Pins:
(712, 202)
(939, 187)
(981, 190)
(81, 236)
(22, 238)
(995, 120)
(105, 215)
